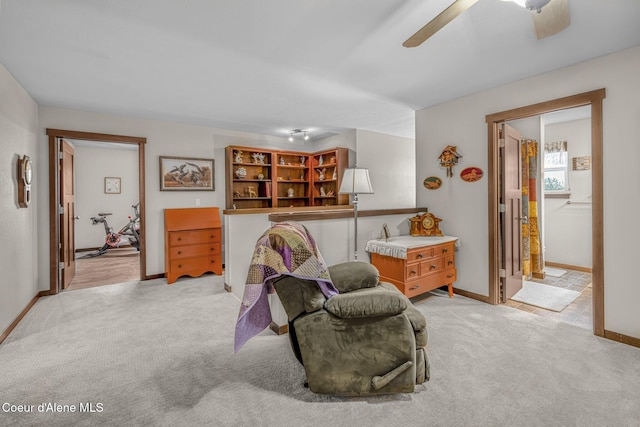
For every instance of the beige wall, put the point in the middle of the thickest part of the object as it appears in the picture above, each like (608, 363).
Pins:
(18, 226)
(463, 206)
(167, 138)
(567, 227)
(93, 162)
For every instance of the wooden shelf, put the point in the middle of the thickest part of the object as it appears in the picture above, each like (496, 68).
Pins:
(300, 171)
(252, 198)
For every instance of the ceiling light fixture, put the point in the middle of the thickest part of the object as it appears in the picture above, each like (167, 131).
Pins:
(293, 132)
(536, 5)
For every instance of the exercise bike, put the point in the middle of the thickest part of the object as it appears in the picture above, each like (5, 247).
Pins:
(131, 232)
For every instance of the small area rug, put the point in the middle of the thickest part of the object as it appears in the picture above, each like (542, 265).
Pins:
(554, 272)
(545, 296)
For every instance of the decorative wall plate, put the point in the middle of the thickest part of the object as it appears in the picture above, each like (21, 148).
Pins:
(471, 174)
(432, 183)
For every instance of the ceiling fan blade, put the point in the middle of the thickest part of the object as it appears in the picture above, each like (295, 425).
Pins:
(552, 19)
(446, 16)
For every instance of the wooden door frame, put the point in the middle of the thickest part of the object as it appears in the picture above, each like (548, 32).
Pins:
(54, 196)
(594, 99)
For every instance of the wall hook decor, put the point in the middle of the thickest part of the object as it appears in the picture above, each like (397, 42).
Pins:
(449, 158)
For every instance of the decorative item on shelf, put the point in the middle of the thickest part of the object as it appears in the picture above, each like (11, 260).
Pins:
(332, 160)
(238, 157)
(432, 183)
(250, 191)
(237, 195)
(302, 159)
(425, 224)
(471, 174)
(356, 181)
(185, 173)
(323, 193)
(25, 177)
(449, 158)
(241, 173)
(111, 185)
(385, 234)
(335, 174)
(260, 176)
(282, 160)
(302, 176)
(321, 174)
(320, 160)
(258, 158)
(330, 193)
(290, 192)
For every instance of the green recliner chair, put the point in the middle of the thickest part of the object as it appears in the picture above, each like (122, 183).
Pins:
(367, 340)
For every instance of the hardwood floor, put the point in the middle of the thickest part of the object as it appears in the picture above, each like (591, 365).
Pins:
(115, 266)
(579, 312)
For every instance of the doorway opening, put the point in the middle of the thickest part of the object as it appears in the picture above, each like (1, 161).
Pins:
(62, 211)
(494, 121)
(556, 232)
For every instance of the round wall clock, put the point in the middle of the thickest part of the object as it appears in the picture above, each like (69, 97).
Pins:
(432, 183)
(25, 177)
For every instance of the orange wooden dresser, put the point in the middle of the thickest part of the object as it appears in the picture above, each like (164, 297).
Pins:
(415, 265)
(192, 242)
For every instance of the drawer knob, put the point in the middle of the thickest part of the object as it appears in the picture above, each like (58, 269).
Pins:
(179, 252)
(450, 262)
(445, 250)
(413, 272)
(179, 265)
(433, 267)
(420, 255)
(179, 238)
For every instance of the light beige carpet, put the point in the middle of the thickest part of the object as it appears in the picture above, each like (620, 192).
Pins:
(162, 355)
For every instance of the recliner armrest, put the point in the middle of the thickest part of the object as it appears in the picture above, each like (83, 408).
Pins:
(369, 302)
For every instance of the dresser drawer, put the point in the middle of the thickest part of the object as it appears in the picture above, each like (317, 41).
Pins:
(449, 262)
(419, 254)
(429, 283)
(431, 266)
(195, 266)
(412, 272)
(444, 249)
(179, 252)
(194, 237)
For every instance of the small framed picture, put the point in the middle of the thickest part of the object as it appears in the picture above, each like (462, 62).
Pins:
(112, 185)
(186, 173)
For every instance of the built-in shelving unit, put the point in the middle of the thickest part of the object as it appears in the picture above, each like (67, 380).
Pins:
(259, 178)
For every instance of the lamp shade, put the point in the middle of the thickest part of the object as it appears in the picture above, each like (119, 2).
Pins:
(356, 181)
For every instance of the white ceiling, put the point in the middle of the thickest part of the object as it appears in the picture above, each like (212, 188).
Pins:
(268, 66)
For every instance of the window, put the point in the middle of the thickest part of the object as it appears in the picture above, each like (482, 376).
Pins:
(556, 167)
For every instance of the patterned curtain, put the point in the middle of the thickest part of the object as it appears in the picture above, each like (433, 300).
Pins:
(532, 263)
